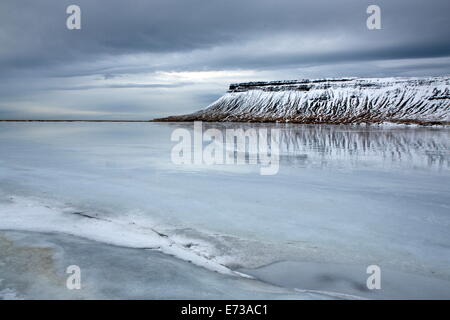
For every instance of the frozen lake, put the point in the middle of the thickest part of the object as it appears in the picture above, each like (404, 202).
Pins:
(344, 198)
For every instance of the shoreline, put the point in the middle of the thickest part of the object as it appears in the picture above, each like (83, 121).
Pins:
(181, 119)
(75, 120)
(318, 122)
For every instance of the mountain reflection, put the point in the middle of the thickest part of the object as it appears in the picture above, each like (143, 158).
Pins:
(352, 146)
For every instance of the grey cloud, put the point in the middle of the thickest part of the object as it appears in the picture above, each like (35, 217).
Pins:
(36, 35)
(122, 86)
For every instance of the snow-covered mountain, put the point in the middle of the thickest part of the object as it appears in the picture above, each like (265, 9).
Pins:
(349, 100)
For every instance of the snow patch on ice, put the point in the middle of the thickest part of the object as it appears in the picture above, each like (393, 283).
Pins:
(333, 295)
(8, 293)
(31, 214)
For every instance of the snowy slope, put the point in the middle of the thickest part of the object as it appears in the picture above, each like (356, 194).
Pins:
(353, 100)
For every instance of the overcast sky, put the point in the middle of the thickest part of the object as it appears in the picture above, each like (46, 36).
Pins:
(140, 59)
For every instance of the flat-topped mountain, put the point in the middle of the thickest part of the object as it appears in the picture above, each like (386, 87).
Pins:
(349, 100)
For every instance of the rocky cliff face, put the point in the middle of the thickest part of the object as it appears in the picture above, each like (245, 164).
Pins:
(359, 100)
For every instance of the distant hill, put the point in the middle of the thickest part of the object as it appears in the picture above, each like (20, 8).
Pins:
(351, 100)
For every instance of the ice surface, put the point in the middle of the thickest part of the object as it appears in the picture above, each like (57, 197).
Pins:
(350, 280)
(354, 195)
(34, 267)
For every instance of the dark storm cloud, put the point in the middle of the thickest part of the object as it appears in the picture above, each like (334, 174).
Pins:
(121, 37)
(34, 32)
